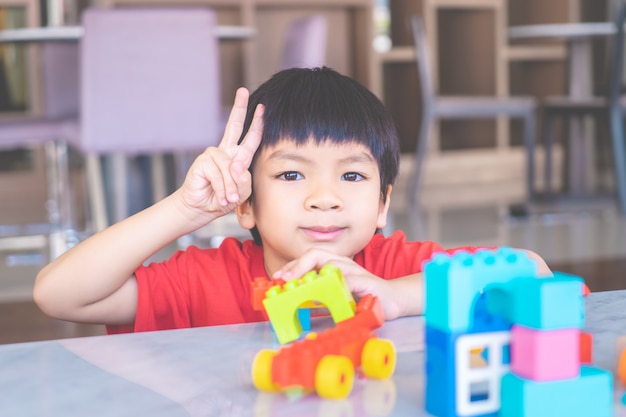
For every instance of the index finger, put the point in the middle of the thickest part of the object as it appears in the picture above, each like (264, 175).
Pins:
(313, 259)
(252, 140)
(236, 119)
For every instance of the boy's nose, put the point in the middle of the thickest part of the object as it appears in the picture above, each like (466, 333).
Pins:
(324, 197)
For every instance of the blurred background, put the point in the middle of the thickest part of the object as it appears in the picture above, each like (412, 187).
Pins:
(494, 80)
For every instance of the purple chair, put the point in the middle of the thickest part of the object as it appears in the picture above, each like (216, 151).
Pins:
(149, 84)
(305, 43)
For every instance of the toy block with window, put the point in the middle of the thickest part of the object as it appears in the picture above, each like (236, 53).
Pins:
(502, 341)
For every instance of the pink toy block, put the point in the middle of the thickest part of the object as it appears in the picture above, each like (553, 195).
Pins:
(545, 355)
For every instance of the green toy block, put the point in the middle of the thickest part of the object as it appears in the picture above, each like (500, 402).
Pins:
(327, 287)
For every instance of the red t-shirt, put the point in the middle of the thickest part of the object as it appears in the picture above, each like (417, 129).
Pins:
(208, 287)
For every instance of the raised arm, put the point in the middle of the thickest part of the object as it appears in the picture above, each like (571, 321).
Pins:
(94, 282)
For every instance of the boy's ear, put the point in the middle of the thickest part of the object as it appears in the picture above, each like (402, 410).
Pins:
(245, 215)
(384, 209)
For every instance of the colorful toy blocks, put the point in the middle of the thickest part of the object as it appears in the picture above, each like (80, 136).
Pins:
(321, 362)
(326, 287)
(325, 362)
(494, 304)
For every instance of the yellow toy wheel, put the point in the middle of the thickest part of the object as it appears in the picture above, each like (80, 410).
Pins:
(262, 371)
(378, 358)
(334, 377)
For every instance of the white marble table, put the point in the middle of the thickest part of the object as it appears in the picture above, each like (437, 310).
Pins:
(74, 33)
(205, 372)
(580, 67)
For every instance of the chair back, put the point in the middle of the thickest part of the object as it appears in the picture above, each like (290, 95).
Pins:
(422, 55)
(61, 91)
(150, 80)
(305, 43)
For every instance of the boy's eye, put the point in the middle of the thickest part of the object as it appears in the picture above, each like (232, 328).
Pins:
(290, 176)
(352, 176)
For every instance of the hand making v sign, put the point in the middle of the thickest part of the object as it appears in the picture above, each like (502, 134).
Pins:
(219, 179)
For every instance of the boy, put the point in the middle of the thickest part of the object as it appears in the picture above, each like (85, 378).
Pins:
(307, 162)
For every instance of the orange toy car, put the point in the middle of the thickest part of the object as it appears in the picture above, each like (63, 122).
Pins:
(325, 362)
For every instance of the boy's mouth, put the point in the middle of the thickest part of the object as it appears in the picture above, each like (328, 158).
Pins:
(323, 234)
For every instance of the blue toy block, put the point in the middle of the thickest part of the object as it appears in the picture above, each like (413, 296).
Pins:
(304, 315)
(453, 283)
(441, 372)
(589, 395)
(440, 395)
(540, 303)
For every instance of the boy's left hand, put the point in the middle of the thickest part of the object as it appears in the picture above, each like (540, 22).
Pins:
(359, 280)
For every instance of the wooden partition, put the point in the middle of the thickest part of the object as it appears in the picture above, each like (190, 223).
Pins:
(472, 55)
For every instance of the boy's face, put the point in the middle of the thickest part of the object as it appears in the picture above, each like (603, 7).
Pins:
(322, 195)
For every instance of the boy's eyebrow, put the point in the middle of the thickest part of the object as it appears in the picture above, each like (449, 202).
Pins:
(361, 157)
(280, 154)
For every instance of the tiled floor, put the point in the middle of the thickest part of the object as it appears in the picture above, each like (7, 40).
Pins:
(578, 231)
(587, 238)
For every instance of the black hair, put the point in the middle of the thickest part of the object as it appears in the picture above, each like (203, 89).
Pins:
(324, 105)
